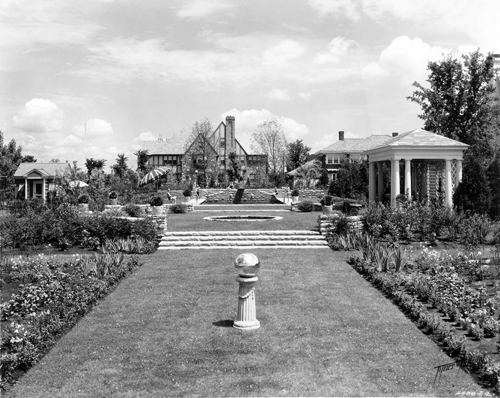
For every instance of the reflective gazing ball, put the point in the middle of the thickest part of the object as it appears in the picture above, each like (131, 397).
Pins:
(247, 264)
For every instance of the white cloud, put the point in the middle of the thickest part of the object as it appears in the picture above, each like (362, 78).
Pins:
(246, 123)
(278, 94)
(340, 8)
(405, 59)
(70, 141)
(40, 116)
(305, 96)
(146, 136)
(282, 53)
(93, 128)
(196, 9)
(337, 48)
(33, 24)
(476, 20)
(242, 61)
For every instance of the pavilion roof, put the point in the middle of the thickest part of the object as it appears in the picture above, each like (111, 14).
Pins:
(420, 137)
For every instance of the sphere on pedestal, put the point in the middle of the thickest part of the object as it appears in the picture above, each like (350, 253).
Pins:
(247, 264)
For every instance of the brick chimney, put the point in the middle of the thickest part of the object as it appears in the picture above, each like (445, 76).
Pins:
(395, 134)
(230, 133)
(341, 136)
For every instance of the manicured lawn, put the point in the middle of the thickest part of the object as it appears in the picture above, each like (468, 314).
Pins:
(195, 221)
(165, 331)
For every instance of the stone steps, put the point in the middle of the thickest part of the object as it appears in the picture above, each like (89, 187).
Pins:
(241, 239)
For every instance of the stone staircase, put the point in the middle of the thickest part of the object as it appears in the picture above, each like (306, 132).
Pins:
(242, 240)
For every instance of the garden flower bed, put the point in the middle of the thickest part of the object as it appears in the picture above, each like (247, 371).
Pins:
(54, 292)
(452, 297)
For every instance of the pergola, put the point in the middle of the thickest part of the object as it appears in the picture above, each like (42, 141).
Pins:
(419, 161)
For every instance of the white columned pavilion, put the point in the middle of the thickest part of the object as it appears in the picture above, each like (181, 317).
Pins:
(415, 146)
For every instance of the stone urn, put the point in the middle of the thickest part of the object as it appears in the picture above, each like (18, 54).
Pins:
(327, 209)
(114, 202)
(83, 207)
(157, 210)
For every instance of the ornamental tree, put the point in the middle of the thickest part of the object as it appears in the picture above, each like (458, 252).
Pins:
(269, 139)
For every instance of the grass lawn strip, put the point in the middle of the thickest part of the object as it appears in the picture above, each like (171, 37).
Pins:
(291, 221)
(325, 331)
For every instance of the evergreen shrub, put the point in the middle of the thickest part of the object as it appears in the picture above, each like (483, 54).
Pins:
(305, 205)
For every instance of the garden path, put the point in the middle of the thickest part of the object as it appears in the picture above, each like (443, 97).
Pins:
(165, 331)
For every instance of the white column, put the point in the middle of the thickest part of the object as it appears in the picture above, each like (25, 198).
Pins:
(371, 182)
(26, 189)
(408, 178)
(43, 190)
(459, 171)
(380, 182)
(447, 179)
(395, 189)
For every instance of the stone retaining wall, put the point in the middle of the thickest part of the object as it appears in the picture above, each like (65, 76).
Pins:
(326, 222)
(250, 195)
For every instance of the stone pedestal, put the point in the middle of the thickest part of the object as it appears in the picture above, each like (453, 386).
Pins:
(246, 318)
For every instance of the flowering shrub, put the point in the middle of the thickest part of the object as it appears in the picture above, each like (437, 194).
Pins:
(53, 296)
(439, 282)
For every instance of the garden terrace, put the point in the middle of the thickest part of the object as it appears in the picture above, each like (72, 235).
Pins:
(324, 332)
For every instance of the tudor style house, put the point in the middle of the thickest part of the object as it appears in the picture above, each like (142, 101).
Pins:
(208, 154)
(352, 148)
(36, 180)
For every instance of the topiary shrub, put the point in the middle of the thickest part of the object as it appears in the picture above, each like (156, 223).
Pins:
(178, 208)
(113, 195)
(132, 210)
(186, 193)
(305, 205)
(156, 201)
(295, 192)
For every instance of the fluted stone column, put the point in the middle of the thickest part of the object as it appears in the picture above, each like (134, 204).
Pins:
(395, 188)
(247, 265)
(247, 317)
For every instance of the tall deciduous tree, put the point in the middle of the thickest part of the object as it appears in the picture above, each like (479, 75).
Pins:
(269, 139)
(298, 153)
(461, 102)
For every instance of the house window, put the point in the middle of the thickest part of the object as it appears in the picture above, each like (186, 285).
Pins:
(329, 159)
(222, 143)
(336, 159)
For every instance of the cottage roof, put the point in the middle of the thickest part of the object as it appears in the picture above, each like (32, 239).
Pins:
(352, 145)
(46, 169)
(420, 137)
(166, 147)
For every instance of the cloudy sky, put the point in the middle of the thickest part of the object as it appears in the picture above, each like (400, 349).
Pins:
(81, 79)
